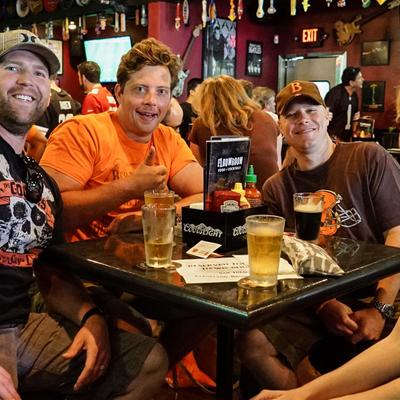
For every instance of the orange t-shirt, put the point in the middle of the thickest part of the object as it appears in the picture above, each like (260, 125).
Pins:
(94, 149)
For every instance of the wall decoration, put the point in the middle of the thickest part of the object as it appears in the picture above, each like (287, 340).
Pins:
(375, 53)
(373, 96)
(57, 47)
(219, 48)
(254, 56)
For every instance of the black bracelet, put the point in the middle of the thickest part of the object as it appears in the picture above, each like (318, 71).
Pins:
(93, 311)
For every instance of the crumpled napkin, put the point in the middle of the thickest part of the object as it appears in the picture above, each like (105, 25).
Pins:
(308, 258)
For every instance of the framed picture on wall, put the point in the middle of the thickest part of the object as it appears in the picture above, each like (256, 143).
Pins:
(254, 56)
(57, 47)
(373, 96)
(375, 53)
(219, 48)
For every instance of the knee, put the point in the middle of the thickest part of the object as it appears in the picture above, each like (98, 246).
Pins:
(156, 363)
(251, 343)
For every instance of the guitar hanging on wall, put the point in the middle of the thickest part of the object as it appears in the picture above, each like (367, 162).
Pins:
(346, 31)
(178, 89)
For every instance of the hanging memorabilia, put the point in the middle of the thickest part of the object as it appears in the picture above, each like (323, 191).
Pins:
(232, 14)
(178, 16)
(240, 9)
(271, 9)
(185, 12)
(260, 9)
(204, 16)
(143, 16)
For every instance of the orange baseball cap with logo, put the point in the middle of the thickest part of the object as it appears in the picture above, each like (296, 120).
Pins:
(297, 89)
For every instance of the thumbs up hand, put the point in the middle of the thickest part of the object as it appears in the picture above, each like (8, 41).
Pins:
(149, 176)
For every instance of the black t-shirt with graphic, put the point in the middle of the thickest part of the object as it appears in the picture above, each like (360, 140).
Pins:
(25, 230)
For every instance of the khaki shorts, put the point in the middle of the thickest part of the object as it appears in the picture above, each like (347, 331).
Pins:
(33, 356)
(294, 335)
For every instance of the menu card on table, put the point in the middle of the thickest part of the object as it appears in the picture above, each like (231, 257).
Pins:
(225, 269)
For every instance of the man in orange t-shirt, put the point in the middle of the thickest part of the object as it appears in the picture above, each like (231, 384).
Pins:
(98, 98)
(104, 162)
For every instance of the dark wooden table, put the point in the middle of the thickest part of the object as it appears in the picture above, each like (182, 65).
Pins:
(114, 261)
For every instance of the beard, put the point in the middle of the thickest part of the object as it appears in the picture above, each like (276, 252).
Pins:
(14, 123)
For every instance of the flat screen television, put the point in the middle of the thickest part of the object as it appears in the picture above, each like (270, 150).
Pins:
(107, 53)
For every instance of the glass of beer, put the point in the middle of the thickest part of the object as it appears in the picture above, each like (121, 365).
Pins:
(308, 209)
(158, 231)
(159, 197)
(264, 242)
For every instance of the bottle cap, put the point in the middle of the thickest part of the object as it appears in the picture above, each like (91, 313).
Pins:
(251, 177)
(238, 187)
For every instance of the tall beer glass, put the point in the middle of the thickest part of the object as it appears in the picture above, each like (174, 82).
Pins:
(158, 231)
(308, 209)
(264, 242)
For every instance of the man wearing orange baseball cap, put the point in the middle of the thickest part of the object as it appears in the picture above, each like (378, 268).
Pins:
(358, 176)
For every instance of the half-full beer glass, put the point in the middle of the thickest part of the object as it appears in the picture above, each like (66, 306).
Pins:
(308, 209)
(158, 231)
(264, 242)
(159, 197)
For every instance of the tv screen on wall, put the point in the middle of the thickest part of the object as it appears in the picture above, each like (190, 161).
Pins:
(107, 53)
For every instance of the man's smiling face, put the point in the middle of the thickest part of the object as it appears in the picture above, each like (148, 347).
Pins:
(24, 90)
(304, 125)
(144, 99)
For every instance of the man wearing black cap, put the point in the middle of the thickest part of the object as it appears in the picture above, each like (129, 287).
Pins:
(362, 181)
(70, 350)
(342, 102)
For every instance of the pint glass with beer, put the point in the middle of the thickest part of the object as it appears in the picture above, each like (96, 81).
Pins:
(264, 242)
(159, 197)
(308, 209)
(158, 231)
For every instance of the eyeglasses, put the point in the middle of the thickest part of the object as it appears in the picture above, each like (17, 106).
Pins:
(33, 180)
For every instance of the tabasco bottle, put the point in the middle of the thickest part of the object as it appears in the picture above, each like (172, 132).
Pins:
(252, 194)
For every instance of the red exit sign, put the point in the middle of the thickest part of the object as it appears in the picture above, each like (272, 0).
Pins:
(311, 37)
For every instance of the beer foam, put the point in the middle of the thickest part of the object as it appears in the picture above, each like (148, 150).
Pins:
(264, 231)
(309, 208)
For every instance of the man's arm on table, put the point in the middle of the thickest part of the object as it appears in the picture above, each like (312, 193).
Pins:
(188, 184)
(368, 323)
(82, 206)
(65, 295)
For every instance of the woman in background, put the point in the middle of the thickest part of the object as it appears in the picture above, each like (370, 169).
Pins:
(224, 109)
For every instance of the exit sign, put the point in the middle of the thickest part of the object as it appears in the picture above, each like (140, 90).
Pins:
(311, 37)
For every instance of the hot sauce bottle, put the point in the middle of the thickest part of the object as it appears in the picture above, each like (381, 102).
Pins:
(252, 194)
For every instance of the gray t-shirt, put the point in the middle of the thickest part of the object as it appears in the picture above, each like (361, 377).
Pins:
(366, 178)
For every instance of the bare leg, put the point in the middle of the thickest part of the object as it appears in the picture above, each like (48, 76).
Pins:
(262, 360)
(150, 378)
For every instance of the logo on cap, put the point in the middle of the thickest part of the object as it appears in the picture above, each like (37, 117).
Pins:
(296, 87)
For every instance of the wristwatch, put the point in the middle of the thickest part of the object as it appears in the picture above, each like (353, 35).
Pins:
(387, 310)
(93, 311)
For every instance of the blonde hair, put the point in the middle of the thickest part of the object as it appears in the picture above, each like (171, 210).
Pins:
(262, 95)
(221, 102)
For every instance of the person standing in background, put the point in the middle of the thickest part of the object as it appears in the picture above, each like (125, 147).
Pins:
(342, 102)
(265, 97)
(62, 107)
(98, 98)
(189, 115)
